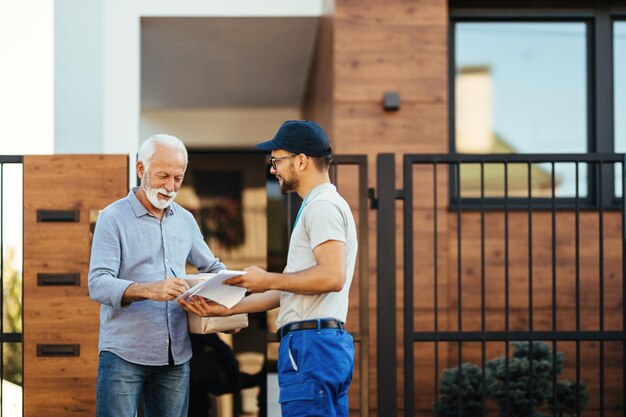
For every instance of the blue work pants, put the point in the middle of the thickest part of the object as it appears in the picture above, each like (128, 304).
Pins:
(315, 370)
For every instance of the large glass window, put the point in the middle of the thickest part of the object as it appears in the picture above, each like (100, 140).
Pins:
(521, 87)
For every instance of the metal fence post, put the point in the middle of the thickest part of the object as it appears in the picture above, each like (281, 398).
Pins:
(386, 359)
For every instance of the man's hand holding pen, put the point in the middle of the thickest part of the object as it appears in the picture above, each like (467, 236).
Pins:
(165, 290)
(168, 289)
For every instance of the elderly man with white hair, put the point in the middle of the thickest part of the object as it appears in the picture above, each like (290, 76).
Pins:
(140, 246)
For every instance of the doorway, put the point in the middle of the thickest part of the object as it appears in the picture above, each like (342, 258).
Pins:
(223, 84)
(230, 197)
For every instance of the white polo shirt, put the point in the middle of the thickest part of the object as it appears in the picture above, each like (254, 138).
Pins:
(325, 216)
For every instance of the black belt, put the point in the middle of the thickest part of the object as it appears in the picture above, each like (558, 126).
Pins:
(308, 325)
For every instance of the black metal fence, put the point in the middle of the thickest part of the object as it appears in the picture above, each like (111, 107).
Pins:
(344, 166)
(361, 337)
(493, 265)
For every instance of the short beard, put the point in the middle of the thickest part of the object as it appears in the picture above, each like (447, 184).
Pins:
(289, 186)
(153, 193)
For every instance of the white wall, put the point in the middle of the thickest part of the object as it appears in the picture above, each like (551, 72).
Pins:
(217, 128)
(78, 81)
(97, 67)
(121, 54)
(26, 95)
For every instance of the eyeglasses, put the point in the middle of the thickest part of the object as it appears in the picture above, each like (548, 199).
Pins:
(274, 160)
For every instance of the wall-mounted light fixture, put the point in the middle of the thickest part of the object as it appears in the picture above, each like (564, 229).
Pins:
(391, 102)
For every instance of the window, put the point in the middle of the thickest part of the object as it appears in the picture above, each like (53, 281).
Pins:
(538, 81)
(514, 94)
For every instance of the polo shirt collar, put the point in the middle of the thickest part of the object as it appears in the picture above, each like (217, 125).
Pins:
(327, 186)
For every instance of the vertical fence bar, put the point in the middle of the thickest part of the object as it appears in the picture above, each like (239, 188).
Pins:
(601, 289)
(435, 277)
(506, 279)
(363, 270)
(530, 284)
(506, 247)
(386, 285)
(623, 282)
(459, 288)
(408, 287)
(554, 327)
(483, 356)
(577, 266)
(364, 291)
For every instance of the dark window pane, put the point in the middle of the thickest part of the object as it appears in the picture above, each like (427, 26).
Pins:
(521, 88)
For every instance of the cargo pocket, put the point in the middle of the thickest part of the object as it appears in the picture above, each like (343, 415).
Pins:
(301, 399)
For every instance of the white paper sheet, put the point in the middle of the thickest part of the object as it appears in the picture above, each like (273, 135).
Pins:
(213, 288)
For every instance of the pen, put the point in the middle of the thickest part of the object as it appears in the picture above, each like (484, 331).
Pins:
(175, 276)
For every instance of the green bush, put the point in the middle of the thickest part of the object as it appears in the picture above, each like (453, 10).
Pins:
(468, 398)
(526, 392)
(566, 397)
(518, 391)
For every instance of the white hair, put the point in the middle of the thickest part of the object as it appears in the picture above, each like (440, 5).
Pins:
(147, 149)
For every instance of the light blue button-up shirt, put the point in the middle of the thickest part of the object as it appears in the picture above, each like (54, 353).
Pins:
(130, 245)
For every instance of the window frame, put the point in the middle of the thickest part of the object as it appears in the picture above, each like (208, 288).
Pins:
(599, 18)
(5, 336)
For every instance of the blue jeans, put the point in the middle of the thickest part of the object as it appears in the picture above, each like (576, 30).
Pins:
(314, 372)
(121, 383)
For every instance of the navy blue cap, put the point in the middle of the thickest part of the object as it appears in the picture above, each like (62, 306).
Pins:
(299, 136)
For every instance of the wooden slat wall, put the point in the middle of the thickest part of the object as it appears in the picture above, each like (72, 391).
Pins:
(318, 101)
(400, 46)
(63, 386)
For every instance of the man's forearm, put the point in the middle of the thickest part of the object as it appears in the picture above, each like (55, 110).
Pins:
(316, 280)
(136, 292)
(164, 290)
(257, 303)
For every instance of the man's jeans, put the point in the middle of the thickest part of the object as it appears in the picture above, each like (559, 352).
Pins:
(121, 383)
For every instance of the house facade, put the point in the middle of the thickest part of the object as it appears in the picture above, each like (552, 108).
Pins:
(502, 249)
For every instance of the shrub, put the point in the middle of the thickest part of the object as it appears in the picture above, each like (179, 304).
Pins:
(461, 391)
(527, 391)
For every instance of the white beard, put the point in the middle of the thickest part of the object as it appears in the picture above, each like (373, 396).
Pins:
(153, 195)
